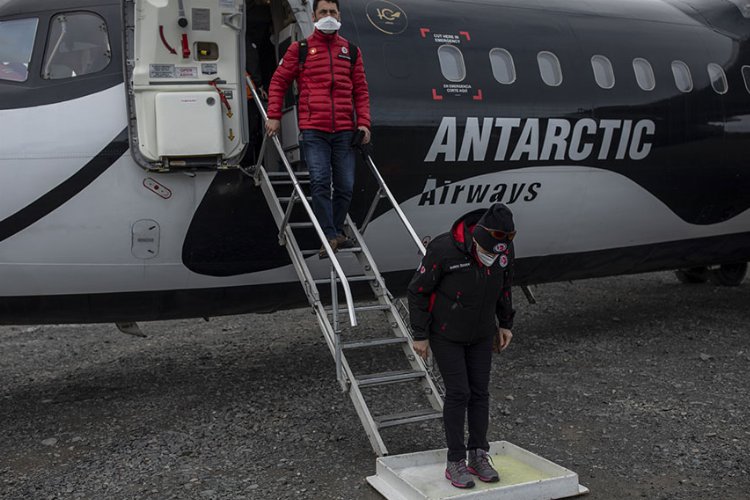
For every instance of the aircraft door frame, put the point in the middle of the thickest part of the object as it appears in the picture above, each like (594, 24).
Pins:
(299, 30)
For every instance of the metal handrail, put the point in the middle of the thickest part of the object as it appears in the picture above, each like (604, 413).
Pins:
(389, 195)
(308, 208)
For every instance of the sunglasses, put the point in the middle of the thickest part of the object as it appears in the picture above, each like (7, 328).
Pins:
(500, 235)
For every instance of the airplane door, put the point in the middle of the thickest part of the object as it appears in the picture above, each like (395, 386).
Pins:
(185, 76)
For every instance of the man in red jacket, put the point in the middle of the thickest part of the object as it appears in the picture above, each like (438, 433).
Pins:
(334, 102)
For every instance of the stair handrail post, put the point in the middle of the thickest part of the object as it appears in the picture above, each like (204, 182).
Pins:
(308, 208)
(384, 188)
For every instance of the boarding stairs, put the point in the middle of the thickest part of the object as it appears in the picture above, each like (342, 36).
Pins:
(332, 300)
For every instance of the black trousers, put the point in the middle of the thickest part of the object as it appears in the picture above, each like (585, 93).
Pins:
(466, 373)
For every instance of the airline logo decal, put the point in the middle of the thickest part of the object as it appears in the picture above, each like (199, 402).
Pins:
(387, 17)
(514, 139)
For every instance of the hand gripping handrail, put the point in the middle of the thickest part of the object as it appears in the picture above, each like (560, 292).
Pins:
(303, 199)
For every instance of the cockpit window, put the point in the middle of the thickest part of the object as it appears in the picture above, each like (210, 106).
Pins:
(78, 44)
(16, 47)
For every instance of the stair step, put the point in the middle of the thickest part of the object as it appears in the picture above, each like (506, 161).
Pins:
(301, 225)
(309, 253)
(408, 417)
(375, 307)
(286, 199)
(350, 279)
(289, 182)
(359, 344)
(285, 175)
(386, 378)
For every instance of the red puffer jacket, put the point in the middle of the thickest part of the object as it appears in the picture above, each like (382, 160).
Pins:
(330, 89)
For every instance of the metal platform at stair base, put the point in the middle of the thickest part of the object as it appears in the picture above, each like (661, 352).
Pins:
(523, 476)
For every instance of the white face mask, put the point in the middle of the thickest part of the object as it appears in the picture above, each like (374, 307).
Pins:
(328, 25)
(487, 260)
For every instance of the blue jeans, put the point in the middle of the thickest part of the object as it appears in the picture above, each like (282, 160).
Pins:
(330, 160)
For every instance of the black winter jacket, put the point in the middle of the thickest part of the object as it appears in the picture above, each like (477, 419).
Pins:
(454, 295)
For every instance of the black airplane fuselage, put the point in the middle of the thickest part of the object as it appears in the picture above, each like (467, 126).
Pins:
(603, 181)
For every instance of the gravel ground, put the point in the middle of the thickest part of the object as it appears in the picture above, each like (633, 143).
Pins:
(637, 383)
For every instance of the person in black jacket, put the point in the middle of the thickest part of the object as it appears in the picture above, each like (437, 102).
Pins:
(461, 307)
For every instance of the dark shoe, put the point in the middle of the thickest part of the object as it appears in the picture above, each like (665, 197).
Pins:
(458, 474)
(334, 246)
(344, 242)
(480, 464)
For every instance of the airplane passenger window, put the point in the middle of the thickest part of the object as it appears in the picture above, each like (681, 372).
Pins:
(644, 74)
(746, 77)
(718, 78)
(682, 77)
(549, 68)
(603, 72)
(452, 63)
(503, 68)
(16, 46)
(78, 45)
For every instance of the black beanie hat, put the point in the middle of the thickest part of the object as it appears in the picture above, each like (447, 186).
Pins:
(497, 217)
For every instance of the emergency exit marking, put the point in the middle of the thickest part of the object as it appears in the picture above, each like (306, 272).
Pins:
(457, 89)
(231, 135)
(446, 38)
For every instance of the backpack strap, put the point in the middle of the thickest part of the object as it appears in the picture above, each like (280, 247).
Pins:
(303, 48)
(354, 51)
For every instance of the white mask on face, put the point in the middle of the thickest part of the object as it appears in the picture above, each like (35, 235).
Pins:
(487, 260)
(328, 25)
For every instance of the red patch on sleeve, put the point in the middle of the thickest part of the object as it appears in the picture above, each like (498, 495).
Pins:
(432, 302)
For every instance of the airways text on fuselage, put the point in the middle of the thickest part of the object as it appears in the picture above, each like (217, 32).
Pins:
(561, 139)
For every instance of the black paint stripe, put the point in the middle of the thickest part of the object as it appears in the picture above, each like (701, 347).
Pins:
(209, 302)
(64, 192)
